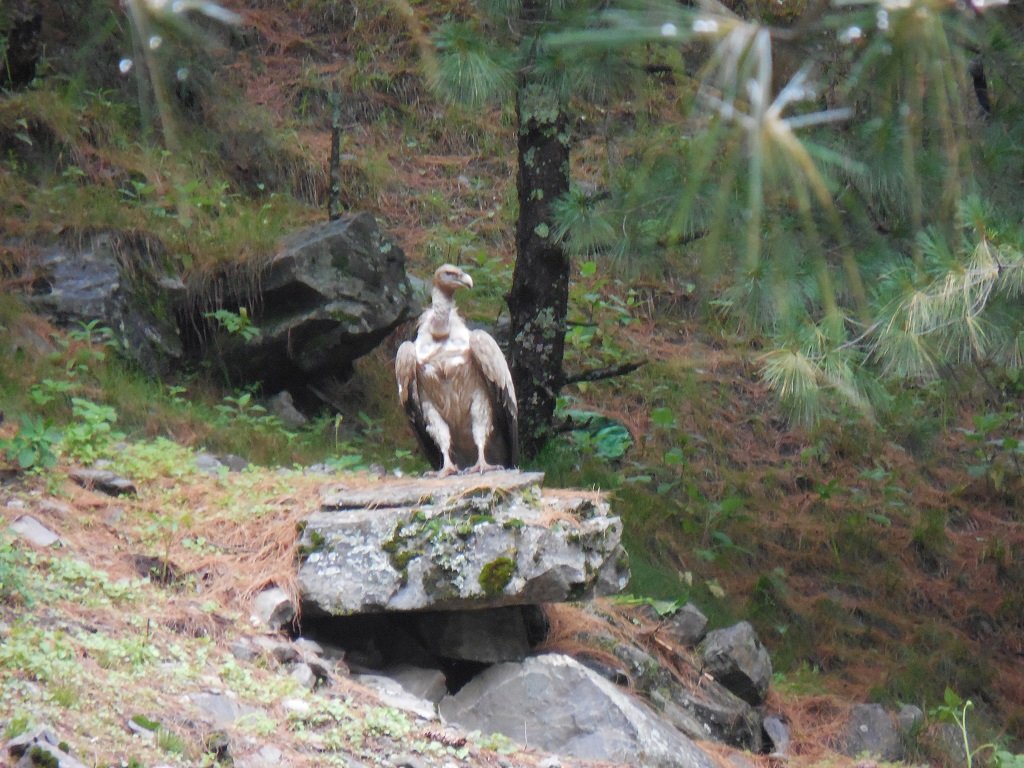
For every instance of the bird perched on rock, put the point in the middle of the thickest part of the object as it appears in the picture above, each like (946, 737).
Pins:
(456, 387)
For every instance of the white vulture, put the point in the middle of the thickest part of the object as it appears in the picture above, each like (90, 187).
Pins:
(456, 387)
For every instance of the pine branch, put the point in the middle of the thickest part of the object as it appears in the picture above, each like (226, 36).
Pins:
(600, 374)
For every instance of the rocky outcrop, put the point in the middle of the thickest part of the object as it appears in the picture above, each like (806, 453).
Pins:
(555, 703)
(464, 542)
(330, 295)
(116, 281)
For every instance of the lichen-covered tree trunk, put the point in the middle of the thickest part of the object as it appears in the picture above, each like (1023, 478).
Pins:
(540, 284)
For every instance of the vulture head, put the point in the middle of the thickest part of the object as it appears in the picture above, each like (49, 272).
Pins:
(448, 278)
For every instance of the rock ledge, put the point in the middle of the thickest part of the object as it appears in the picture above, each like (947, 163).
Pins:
(455, 543)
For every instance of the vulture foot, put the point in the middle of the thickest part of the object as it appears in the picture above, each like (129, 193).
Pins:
(480, 467)
(445, 471)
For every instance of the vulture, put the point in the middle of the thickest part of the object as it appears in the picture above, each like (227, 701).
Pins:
(456, 387)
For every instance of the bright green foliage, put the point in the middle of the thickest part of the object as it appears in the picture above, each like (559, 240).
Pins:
(13, 574)
(34, 444)
(236, 323)
(91, 434)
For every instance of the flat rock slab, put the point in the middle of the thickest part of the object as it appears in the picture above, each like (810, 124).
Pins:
(460, 542)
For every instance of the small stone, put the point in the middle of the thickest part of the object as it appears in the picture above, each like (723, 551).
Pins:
(19, 745)
(244, 650)
(103, 480)
(686, 627)
(234, 463)
(34, 532)
(777, 732)
(283, 406)
(222, 709)
(299, 706)
(304, 675)
(736, 658)
(871, 730)
(283, 652)
(218, 744)
(55, 508)
(140, 730)
(305, 646)
(909, 718)
(274, 608)
(207, 462)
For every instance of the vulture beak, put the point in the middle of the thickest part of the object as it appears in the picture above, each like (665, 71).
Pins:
(466, 280)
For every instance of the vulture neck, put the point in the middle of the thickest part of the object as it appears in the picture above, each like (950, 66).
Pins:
(442, 308)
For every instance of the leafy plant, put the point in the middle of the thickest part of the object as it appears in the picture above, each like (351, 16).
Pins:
(998, 451)
(236, 323)
(91, 435)
(33, 445)
(954, 710)
(13, 574)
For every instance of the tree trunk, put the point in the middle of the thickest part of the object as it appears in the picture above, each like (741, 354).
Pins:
(539, 297)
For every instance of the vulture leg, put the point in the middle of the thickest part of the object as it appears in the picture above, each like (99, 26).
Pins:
(481, 410)
(437, 428)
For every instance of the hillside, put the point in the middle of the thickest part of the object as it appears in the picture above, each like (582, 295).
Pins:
(878, 562)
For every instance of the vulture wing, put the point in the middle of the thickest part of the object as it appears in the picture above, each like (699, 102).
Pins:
(409, 395)
(494, 368)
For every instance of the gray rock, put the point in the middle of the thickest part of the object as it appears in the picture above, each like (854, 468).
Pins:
(394, 695)
(102, 480)
(553, 703)
(234, 463)
(54, 756)
(244, 650)
(332, 294)
(280, 650)
(273, 607)
(34, 532)
(686, 627)
(115, 278)
(778, 734)
(304, 675)
(477, 541)
(207, 462)
(283, 406)
(429, 684)
(871, 730)
(909, 718)
(221, 708)
(308, 647)
(735, 658)
(710, 711)
(945, 743)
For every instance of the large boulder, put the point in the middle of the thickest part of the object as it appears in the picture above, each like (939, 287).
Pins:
(330, 295)
(554, 703)
(117, 281)
(462, 542)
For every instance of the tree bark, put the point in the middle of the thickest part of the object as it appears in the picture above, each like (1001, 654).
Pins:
(539, 297)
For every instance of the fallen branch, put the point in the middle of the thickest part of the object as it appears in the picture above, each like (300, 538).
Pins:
(600, 374)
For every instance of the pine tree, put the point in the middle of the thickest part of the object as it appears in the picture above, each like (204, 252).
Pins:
(503, 54)
(845, 172)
